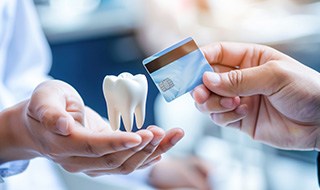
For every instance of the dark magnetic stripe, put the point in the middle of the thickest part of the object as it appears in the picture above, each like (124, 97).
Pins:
(171, 56)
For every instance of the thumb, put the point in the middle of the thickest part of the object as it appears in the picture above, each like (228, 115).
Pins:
(56, 120)
(51, 115)
(263, 79)
(52, 104)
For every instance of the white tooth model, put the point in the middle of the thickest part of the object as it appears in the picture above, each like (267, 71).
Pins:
(125, 95)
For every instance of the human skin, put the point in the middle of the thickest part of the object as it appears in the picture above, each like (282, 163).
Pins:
(264, 93)
(54, 123)
(174, 173)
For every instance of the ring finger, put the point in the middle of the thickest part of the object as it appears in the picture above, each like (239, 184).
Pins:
(227, 118)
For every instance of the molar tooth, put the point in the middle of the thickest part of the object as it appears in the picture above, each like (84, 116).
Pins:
(125, 96)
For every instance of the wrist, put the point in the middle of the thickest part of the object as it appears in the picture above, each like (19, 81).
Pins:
(16, 142)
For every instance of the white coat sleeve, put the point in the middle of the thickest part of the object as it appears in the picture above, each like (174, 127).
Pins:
(28, 57)
(24, 59)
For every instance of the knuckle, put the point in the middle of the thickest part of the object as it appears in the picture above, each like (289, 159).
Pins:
(111, 163)
(280, 75)
(114, 147)
(90, 150)
(51, 152)
(272, 65)
(279, 70)
(235, 78)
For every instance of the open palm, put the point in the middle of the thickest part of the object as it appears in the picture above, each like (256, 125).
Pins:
(57, 125)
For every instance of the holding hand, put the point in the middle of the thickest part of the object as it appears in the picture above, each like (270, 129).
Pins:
(264, 93)
(56, 124)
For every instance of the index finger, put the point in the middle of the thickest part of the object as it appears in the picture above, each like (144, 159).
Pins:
(236, 55)
(87, 143)
(52, 104)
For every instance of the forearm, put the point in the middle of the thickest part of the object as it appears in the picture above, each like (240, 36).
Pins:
(15, 140)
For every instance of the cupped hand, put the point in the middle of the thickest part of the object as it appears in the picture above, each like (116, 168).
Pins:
(58, 126)
(263, 92)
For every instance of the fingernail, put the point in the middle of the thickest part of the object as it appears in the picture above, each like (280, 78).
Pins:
(63, 126)
(175, 139)
(213, 77)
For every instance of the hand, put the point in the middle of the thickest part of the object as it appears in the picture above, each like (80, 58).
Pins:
(56, 124)
(264, 93)
(176, 173)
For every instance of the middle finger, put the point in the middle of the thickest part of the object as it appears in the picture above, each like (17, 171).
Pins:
(218, 104)
(138, 158)
(108, 161)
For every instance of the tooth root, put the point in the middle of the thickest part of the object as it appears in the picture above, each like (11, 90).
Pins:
(125, 96)
(140, 112)
(114, 118)
(127, 118)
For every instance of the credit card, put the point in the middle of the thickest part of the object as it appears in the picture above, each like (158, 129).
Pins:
(177, 69)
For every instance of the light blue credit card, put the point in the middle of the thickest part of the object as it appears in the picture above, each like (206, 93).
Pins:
(177, 69)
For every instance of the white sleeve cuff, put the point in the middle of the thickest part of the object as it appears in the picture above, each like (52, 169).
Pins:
(11, 168)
